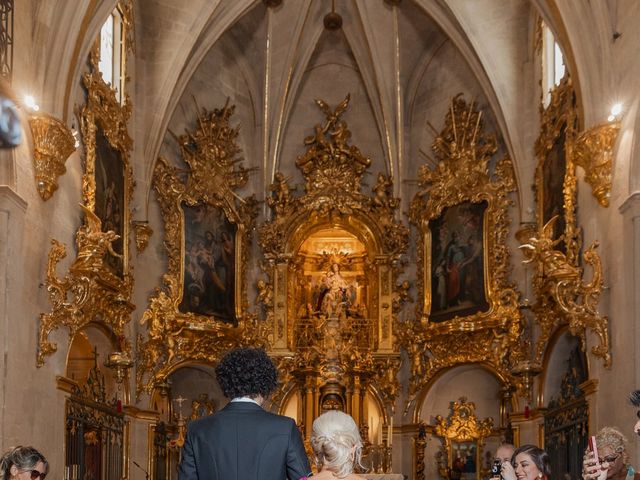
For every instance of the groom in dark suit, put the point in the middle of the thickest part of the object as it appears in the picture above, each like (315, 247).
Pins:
(243, 441)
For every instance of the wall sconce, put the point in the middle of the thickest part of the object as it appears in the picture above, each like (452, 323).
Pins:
(53, 143)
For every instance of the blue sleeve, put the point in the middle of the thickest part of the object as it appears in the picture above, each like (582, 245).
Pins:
(187, 469)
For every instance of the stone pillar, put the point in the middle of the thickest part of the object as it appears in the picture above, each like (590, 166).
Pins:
(12, 213)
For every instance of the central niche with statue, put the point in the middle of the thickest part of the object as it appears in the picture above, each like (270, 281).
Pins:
(331, 293)
(332, 322)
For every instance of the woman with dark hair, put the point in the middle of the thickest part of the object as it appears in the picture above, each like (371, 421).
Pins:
(23, 463)
(528, 463)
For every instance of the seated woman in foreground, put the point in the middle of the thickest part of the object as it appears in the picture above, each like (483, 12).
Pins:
(337, 446)
(613, 462)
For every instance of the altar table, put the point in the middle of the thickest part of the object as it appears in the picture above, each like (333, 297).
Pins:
(382, 476)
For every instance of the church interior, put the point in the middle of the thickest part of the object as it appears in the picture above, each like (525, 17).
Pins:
(427, 212)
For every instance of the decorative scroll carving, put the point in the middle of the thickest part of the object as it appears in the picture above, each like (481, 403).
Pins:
(89, 292)
(53, 143)
(593, 152)
(419, 445)
(561, 295)
(98, 285)
(564, 284)
(176, 333)
(462, 179)
(461, 426)
(143, 232)
(332, 303)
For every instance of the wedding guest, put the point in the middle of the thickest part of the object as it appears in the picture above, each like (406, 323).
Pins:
(243, 441)
(613, 459)
(504, 453)
(528, 463)
(23, 463)
(337, 446)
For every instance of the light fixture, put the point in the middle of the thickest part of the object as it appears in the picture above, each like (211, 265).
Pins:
(615, 112)
(332, 20)
(30, 103)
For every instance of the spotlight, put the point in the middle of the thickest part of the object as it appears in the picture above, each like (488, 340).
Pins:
(616, 109)
(30, 103)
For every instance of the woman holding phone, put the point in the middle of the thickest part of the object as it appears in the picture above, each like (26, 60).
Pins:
(612, 462)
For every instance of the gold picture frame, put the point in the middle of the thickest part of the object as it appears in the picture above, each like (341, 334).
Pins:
(465, 177)
(558, 131)
(99, 283)
(177, 331)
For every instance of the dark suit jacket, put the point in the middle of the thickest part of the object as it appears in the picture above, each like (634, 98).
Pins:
(243, 442)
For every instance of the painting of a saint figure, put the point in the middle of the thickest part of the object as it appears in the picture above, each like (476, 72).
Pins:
(110, 196)
(553, 173)
(209, 263)
(457, 262)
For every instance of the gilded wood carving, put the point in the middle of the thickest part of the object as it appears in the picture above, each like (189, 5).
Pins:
(99, 283)
(332, 298)
(53, 142)
(562, 297)
(201, 310)
(467, 306)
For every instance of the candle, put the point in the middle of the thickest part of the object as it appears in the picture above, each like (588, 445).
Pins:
(379, 432)
(371, 430)
(390, 432)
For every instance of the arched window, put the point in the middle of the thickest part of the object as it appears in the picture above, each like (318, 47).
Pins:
(553, 68)
(112, 51)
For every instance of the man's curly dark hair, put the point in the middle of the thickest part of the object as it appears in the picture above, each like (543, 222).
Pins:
(246, 372)
(634, 398)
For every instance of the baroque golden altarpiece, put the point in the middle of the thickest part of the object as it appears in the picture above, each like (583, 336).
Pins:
(97, 288)
(327, 306)
(467, 177)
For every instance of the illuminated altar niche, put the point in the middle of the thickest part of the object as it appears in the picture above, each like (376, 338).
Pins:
(328, 253)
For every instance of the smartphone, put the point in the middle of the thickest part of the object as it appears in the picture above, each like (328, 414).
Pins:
(594, 448)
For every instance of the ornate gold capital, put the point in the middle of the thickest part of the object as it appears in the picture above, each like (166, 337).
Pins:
(593, 150)
(53, 142)
(143, 232)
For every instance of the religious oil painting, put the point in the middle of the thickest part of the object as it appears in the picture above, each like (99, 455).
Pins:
(553, 175)
(464, 461)
(209, 263)
(457, 262)
(110, 196)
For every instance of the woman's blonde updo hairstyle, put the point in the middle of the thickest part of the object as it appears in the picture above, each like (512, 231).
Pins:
(333, 439)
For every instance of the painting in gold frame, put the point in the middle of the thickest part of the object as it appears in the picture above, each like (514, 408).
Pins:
(108, 176)
(110, 196)
(209, 267)
(555, 177)
(200, 209)
(458, 286)
(465, 174)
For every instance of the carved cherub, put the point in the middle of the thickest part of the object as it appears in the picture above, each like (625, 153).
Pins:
(281, 196)
(554, 263)
(265, 293)
(93, 244)
(382, 190)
